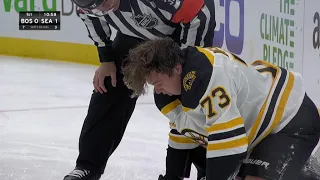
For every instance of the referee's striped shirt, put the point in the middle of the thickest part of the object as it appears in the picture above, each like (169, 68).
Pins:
(149, 19)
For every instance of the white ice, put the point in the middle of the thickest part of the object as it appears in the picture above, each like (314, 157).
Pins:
(42, 108)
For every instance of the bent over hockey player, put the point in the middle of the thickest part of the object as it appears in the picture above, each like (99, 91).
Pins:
(188, 22)
(255, 120)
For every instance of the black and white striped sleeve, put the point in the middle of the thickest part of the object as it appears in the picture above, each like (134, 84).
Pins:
(99, 31)
(197, 29)
(197, 18)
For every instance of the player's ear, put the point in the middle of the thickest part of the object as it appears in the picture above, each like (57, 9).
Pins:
(178, 69)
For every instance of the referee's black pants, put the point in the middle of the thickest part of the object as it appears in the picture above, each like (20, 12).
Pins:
(108, 114)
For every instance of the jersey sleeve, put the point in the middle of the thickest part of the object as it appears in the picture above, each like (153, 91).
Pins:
(196, 17)
(170, 106)
(214, 94)
(227, 140)
(100, 33)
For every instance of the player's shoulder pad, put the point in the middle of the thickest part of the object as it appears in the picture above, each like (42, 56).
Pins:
(162, 100)
(196, 75)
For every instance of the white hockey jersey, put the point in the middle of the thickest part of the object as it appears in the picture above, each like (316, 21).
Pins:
(227, 105)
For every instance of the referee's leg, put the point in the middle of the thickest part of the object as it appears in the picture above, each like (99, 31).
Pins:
(107, 118)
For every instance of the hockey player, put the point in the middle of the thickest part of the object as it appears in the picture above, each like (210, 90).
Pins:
(255, 120)
(188, 22)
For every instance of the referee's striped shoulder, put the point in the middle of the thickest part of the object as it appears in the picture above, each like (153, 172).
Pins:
(196, 76)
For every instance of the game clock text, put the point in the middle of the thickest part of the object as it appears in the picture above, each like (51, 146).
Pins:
(39, 20)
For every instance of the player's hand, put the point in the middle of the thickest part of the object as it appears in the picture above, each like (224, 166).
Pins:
(106, 69)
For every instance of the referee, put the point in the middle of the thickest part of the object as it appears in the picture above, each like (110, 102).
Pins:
(188, 22)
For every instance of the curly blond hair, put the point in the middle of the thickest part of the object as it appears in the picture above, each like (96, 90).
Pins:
(159, 55)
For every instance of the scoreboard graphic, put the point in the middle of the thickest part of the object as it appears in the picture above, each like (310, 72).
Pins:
(39, 20)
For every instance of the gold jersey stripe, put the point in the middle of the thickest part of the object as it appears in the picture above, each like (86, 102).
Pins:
(209, 56)
(227, 145)
(281, 107)
(259, 118)
(182, 139)
(186, 109)
(225, 125)
(171, 106)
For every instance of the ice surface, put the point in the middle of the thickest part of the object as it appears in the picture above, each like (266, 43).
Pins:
(42, 107)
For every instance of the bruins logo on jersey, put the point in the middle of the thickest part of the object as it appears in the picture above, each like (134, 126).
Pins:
(188, 80)
(195, 136)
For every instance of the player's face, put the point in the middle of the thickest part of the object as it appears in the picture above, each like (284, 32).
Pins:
(170, 85)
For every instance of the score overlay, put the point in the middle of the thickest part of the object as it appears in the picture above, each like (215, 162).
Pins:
(39, 20)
